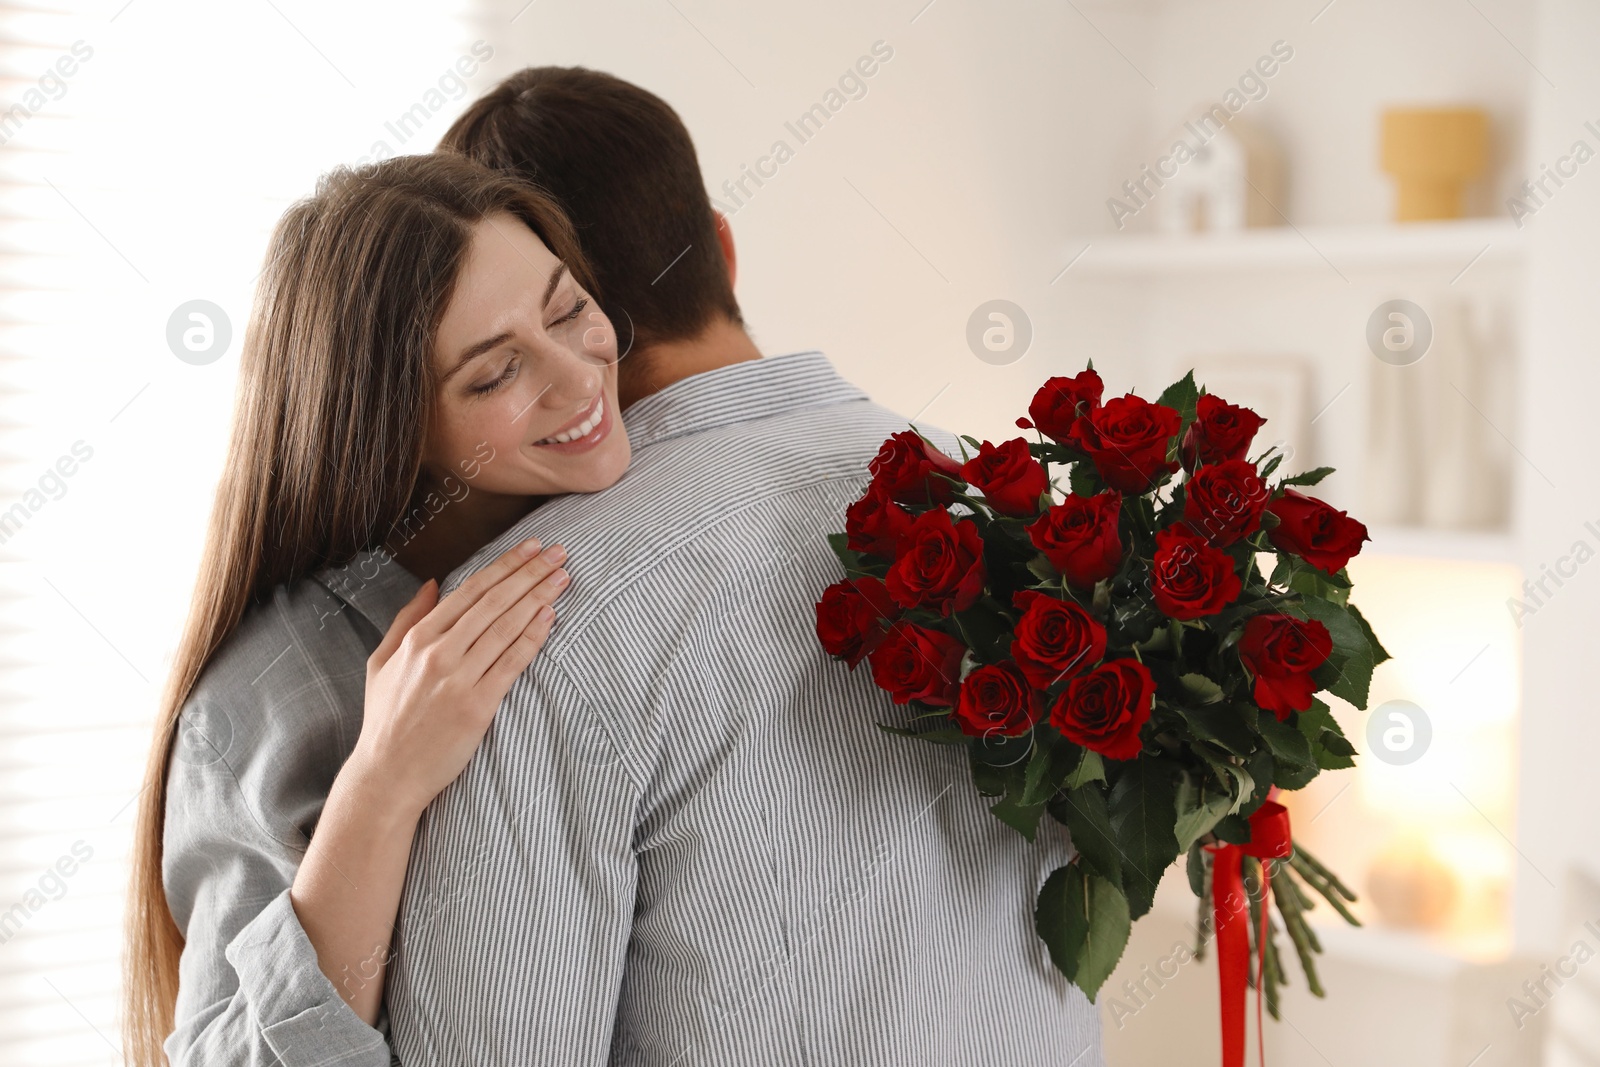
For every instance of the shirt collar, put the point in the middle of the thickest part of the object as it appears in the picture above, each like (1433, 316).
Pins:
(373, 583)
(740, 392)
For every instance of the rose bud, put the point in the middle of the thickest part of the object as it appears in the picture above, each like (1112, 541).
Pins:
(940, 565)
(1104, 709)
(1061, 402)
(1010, 479)
(852, 617)
(996, 699)
(913, 663)
(1224, 500)
(1315, 531)
(1220, 431)
(1079, 537)
(1188, 577)
(1282, 651)
(912, 471)
(1127, 441)
(875, 523)
(1054, 639)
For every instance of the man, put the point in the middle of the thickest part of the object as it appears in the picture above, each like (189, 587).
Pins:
(685, 840)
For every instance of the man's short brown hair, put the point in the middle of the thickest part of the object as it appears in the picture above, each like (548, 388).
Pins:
(621, 163)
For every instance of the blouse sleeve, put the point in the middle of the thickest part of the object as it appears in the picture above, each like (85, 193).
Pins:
(250, 771)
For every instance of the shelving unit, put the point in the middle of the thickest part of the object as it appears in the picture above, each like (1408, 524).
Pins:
(1459, 243)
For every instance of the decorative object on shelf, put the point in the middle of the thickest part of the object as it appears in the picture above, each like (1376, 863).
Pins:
(1233, 180)
(1278, 387)
(1411, 887)
(1433, 152)
(1095, 632)
(1437, 454)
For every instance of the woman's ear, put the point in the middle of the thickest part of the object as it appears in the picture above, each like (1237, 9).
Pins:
(725, 240)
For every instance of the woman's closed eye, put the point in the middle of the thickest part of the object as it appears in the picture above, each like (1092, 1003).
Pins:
(577, 309)
(505, 376)
(510, 371)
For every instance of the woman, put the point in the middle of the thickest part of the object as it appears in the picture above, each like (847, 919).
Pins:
(423, 365)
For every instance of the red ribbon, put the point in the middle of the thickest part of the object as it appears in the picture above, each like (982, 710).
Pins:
(1269, 839)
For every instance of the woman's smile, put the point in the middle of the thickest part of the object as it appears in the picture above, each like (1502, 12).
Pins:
(591, 426)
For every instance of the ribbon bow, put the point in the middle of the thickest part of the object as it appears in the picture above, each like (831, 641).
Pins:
(1269, 839)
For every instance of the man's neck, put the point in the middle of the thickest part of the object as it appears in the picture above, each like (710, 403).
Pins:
(721, 344)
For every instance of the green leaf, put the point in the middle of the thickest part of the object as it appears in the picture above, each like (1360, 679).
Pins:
(1222, 724)
(1181, 396)
(1089, 769)
(1060, 918)
(1020, 816)
(1287, 744)
(1143, 809)
(1198, 810)
(1083, 479)
(1239, 781)
(1084, 922)
(1195, 868)
(1201, 688)
(1379, 653)
(1041, 568)
(1311, 477)
(947, 735)
(1347, 674)
(854, 563)
(1053, 757)
(1083, 813)
(1329, 748)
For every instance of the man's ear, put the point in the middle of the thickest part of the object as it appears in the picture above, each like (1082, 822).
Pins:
(725, 240)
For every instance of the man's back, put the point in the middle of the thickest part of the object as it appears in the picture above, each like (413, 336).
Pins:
(685, 840)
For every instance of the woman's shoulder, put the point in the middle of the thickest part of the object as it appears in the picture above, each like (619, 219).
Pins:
(278, 708)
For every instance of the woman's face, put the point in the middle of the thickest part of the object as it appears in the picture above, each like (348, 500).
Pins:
(527, 370)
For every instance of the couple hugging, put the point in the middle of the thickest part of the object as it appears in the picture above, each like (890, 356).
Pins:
(397, 812)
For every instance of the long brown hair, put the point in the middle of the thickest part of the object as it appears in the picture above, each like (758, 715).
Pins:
(335, 391)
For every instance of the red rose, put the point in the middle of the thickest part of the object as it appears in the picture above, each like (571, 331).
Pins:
(1127, 440)
(1282, 651)
(875, 523)
(1220, 431)
(1104, 709)
(852, 616)
(1054, 639)
(1315, 531)
(1010, 479)
(1190, 578)
(910, 469)
(1060, 402)
(940, 564)
(996, 699)
(912, 663)
(1079, 537)
(1224, 500)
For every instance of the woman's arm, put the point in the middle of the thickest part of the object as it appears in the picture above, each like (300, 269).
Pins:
(433, 686)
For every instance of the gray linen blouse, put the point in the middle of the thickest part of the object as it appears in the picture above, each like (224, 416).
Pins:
(272, 719)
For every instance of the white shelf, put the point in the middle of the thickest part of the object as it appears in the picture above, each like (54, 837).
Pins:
(1495, 546)
(1450, 246)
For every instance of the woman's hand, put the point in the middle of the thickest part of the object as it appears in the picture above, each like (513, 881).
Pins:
(437, 678)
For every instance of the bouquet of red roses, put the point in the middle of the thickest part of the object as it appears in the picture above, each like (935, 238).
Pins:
(1098, 633)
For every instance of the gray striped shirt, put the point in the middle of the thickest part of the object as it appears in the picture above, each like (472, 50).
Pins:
(684, 840)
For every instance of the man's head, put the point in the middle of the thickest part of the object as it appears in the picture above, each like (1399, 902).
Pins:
(620, 161)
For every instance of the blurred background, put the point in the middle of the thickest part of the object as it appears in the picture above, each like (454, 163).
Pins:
(1379, 231)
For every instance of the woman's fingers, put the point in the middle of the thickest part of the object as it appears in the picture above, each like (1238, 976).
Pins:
(516, 657)
(498, 599)
(468, 593)
(414, 610)
(508, 628)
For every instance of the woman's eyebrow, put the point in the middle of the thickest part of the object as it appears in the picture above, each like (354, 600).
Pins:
(550, 287)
